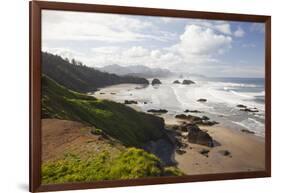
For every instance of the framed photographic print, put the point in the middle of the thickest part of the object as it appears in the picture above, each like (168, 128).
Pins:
(123, 96)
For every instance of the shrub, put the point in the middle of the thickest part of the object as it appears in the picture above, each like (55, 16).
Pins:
(130, 164)
(96, 131)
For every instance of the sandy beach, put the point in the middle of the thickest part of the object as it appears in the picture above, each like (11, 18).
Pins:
(245, 151)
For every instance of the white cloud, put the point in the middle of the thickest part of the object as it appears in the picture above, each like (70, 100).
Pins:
(198, 48)
(66, 25)
(239, 32)
(155, 53)
(218, 26)
(224, 28)
(136, 51)
(197, 40)
(197, 45)
(64, 52)
(107, 50)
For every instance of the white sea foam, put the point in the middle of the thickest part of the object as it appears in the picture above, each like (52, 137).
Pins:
(182, 96)
(222, 99)
(229, 84)
(252, 125)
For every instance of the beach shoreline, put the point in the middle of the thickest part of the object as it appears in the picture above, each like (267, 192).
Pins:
(235, 151)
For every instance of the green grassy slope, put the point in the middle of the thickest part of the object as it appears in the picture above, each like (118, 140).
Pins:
(132, 128)
(81, 78)
(130, 164)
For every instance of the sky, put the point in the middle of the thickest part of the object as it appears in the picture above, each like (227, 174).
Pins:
(214, 48)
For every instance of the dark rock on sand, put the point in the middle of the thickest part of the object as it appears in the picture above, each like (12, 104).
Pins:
(128, 102)
(178, 142)
(208, 123)
(194, 119)
(180, 151)
(241, 106)
(112, 93)
(225, 153)
(205, 152)
(173, 127)
(187, 82)
(247, 131)
(204, 120)
(247, 109)
(102, 93)
(176, 82)
(157, 111)
(192, 111)
(202, 100)
(251, 110)
(191, 127)
(181, 116)
(196, 135)
(156, 81)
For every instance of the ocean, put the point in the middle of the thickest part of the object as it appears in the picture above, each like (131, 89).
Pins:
(222, 94)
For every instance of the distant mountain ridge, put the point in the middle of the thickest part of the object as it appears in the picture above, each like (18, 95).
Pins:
(136, 70)
(80, 78)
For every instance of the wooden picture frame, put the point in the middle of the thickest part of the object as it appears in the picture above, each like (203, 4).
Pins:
(35, 93)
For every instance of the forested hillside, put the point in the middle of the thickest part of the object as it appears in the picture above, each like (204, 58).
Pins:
(130, 127)
(78, 77)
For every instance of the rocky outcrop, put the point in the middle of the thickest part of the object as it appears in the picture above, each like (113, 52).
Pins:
(247, 109)
(176, 82)
(225, 153)
(204, 120)
(241, 106)
(202, 100)
(129, 102)
(205, 152)
(188, 82)
(180, 151)
(196, 135)
(251, 110)
(181, 116)
(192, 111)
(156, 81)
(192, 133)
(157, 111)
(247, 131)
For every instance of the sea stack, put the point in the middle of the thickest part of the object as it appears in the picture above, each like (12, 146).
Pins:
(187, 82)
(202, 100)
(176, 82)
(156, 81)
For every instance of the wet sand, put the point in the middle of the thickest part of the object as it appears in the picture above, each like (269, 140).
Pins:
(247, 153)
